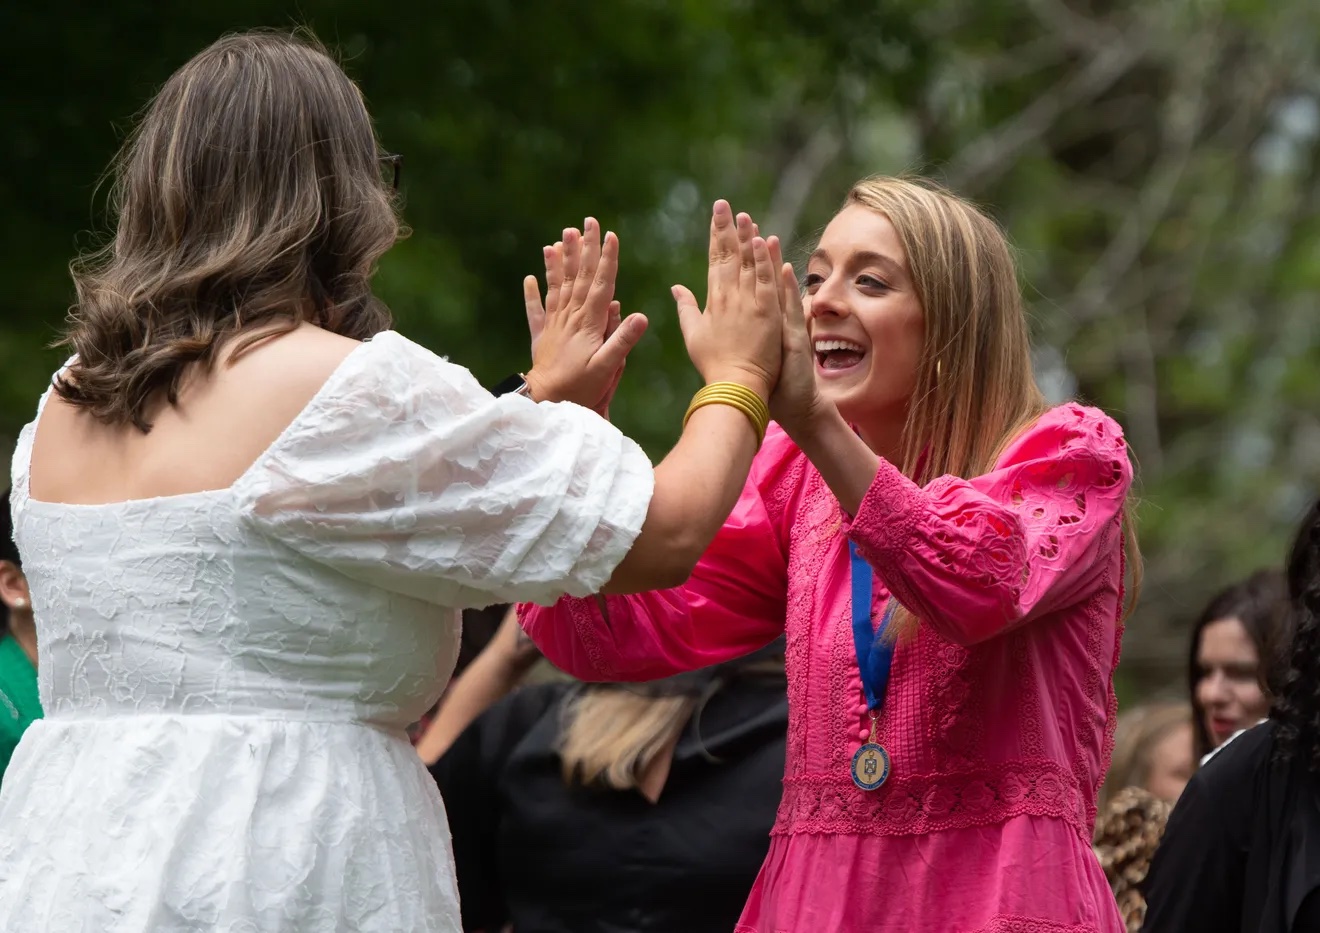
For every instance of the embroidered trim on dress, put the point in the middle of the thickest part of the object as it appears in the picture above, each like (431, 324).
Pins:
(929, 803)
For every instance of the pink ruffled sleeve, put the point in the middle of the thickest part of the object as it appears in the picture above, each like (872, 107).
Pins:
(974, 558)
(733, 603)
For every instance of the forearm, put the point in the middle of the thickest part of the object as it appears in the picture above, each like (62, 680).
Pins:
(696, 487)
(488, 679)
(842, 458)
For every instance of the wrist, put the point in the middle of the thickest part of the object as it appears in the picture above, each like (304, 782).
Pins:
(510, 667)
(758, 383)
(539, 389)
(819, 427)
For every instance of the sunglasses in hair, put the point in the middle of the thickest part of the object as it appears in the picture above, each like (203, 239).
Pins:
(394, 163)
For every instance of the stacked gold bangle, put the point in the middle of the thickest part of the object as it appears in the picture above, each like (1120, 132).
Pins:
(738, 396)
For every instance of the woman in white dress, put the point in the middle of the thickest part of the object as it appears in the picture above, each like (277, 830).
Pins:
(250, 513)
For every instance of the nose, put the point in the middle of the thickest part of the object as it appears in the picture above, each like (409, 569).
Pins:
(1213, 689)
(829, 299)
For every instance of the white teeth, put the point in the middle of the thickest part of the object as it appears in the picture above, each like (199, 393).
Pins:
(825, 346)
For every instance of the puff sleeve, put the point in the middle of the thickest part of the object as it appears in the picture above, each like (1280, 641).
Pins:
(405, 474)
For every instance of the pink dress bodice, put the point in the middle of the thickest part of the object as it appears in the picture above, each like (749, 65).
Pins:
(999, 710)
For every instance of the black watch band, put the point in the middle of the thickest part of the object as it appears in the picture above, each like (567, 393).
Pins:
(514, 384)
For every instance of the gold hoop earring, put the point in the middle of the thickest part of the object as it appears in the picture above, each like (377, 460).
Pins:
(938, 368)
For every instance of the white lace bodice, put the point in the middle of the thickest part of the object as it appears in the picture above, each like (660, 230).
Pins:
(325, 582)
(304, 615)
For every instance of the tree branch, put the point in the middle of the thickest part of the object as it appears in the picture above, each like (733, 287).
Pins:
(989, 157)
(798, 179)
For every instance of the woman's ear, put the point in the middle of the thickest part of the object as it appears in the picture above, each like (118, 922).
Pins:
(13, 586)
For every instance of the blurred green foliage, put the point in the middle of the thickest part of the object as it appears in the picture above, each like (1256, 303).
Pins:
(1155, 161)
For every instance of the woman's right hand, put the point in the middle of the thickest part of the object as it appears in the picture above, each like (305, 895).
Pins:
(739, 335)
(579, 346)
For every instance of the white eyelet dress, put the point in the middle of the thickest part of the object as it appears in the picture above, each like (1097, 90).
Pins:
(227, 676)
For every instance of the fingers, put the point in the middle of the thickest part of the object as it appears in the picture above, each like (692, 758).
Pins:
(766, 283)
(776, 252)
(614, 352)
(613, 318)
(601, 293)
(746, 256)
(722, 277)
(535, 312)
(585, 274)
(554, 276)
(590, 268)
(689, 314)
(572, 262)
(795, 321)
(590, 248)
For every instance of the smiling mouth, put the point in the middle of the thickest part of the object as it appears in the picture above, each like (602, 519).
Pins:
(1223, 726)
(838, 355)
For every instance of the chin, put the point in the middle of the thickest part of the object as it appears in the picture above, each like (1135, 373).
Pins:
(850, 399)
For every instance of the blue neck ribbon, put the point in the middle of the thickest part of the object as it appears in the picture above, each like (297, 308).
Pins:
(875, 655)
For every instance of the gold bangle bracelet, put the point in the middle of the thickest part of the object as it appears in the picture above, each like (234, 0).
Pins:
(735, 395)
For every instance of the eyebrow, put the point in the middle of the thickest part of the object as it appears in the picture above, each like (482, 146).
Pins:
(867, 258)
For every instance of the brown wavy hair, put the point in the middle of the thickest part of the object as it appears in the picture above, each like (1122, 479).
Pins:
(249, 199)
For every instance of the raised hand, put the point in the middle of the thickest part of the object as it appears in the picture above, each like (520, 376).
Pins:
(739, 335)
(796, 399)
(536, 313)
(579, 345)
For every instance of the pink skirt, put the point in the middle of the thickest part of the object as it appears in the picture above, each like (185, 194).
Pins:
(1027, 875)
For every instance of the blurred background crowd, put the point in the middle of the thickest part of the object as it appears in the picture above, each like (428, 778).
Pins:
(1155, 162)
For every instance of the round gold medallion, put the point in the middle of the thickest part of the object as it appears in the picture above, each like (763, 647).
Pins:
(870, 766)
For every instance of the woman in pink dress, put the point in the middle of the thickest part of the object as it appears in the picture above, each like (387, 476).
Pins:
(916, 471)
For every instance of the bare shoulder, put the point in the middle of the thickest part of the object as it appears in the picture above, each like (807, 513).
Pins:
(298, 362)
(221, 423)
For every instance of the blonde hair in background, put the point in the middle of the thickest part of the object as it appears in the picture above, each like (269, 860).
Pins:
(612, 733)
(1139, 730)
(250, 195)
(976, 390)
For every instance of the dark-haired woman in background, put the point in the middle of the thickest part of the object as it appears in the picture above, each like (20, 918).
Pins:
(618, 807)
(1242, 849)
(20, 705)
(1240, 628)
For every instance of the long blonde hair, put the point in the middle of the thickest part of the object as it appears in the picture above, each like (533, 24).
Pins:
(249, 197)
(976, 390)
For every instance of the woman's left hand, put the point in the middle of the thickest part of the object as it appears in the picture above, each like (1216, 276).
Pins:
(796, 401)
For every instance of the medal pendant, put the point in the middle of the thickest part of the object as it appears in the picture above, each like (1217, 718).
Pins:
(870, 766)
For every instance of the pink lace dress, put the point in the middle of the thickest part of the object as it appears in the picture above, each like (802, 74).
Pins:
(999, 711)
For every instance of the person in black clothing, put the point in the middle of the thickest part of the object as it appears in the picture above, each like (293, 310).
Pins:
(611, 808)
(1242, 849)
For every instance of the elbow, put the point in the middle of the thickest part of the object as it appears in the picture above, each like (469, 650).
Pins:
(973, 625)
(663, 561)
(681, 558)
(970, 633)
(673, 571)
